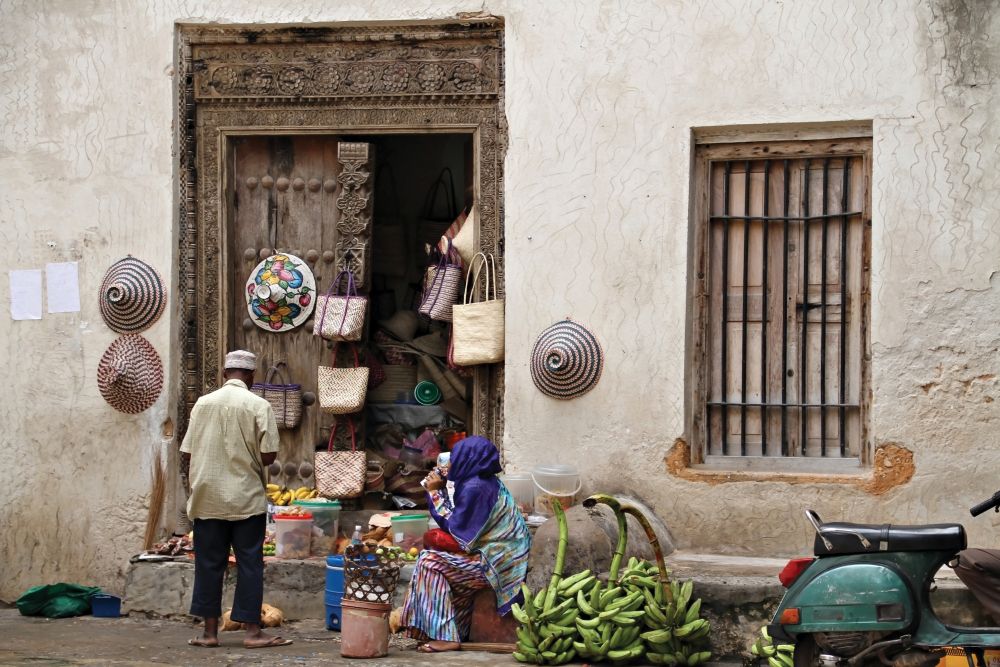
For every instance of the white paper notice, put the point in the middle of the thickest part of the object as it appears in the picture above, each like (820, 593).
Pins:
(63, 284)
(26, 294)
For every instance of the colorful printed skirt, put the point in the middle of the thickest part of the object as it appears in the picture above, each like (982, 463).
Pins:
(438, 604)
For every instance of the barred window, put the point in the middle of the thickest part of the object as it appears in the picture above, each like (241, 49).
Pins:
(782, 287)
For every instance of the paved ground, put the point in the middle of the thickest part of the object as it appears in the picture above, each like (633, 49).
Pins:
(85, 640)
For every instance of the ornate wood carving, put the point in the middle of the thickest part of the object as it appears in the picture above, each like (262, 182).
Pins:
(235, 80)
(355, 204)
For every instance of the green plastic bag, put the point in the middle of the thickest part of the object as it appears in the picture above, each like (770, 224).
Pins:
(56, 600)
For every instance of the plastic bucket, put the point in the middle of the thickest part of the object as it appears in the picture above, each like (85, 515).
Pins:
(334, 617)
(555, 483)
(292, 535)
(106, 606)
(364, 629)
(522, 487)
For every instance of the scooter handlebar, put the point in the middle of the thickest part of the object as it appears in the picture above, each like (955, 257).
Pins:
(986, 505)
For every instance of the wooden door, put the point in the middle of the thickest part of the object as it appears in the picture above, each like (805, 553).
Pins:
(309, 196)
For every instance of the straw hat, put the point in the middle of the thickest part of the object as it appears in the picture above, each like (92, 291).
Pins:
(566, 361)
(132, 296)
(403, 324)
(281, 293)
(130, 374)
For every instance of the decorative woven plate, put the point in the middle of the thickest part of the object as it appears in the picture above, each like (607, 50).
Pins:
(566, 361)
(281, 293)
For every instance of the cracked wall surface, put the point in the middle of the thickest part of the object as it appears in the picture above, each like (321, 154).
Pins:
(600, 99)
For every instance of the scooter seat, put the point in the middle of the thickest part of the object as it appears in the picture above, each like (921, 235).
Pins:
(846, 538)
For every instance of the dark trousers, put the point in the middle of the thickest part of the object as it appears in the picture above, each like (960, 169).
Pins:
(212, 540)
(979, 570)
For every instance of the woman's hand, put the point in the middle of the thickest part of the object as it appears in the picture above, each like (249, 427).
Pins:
(434, 481)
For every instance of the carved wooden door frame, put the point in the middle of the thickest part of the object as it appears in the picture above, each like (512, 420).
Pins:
(377, 78)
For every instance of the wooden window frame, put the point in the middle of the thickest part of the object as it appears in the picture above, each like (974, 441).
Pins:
(736, 144)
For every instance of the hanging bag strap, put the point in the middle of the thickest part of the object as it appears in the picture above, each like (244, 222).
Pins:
(271, 373)
(487, 266)
(333, 434)
(354, 348)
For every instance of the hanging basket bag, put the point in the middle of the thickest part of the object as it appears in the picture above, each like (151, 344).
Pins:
(341, 316)
(442, 285)
(342, 390)
(285, 399)
(341, 474)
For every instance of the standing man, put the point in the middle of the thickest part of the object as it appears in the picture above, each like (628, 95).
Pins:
(232, 436)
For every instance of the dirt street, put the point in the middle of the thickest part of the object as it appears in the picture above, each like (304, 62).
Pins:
(85, 640)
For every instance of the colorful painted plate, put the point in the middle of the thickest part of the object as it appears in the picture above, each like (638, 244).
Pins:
(281, 293)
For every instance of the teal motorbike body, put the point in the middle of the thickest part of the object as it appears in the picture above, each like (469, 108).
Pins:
(887, 592)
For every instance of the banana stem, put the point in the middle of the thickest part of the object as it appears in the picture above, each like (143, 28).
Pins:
(654, 542)
(550, 595)
(616, 507)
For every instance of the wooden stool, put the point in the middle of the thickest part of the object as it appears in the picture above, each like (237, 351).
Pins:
(488, 626)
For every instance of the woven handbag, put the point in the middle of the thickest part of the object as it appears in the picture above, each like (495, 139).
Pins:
(478, 328)
(340, 474)
(341, 316)
(442, 284)
(342, 390)
(285, 399)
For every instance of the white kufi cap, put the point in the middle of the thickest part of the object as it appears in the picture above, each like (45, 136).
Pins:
(241, 359)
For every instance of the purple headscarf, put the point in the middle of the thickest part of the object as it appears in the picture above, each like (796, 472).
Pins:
(474, 465)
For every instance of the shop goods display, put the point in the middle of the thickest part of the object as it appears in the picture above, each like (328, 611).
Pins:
(342, 390)
(280, 293)
(341, 317)
(776, 655)
(341, 474)
(566, 361)
(177, 545)
(638, 614)
(279, 495)
(442, 284)
(132, 296)
(285, 399)
(478, 326)
(270, 548)
(130, 374)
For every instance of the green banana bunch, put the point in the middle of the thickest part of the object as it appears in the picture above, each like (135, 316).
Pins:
(546, 631)
(777, 655)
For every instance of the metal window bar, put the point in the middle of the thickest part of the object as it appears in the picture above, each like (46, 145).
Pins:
(792, 223)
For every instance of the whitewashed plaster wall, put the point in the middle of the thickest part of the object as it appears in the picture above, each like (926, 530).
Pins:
(601, 98)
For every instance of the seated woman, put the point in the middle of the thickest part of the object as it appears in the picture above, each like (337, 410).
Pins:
(492, 549)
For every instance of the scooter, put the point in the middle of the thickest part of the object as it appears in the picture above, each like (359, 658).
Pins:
(866, 596)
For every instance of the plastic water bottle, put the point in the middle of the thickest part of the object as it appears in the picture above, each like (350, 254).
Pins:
(356, 537)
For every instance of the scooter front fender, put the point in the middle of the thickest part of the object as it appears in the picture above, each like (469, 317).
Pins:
(848, 597)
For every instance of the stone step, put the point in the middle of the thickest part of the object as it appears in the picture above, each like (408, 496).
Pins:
(739, 594)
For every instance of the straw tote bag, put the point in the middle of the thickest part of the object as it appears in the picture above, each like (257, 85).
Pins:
(478, 327)
(341, 316)
(285, 399)
(342, 390)
(340, 474)
(442, 283)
